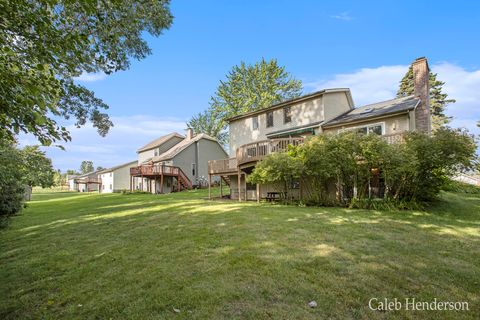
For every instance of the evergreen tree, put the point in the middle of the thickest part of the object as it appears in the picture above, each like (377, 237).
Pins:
(438, 100)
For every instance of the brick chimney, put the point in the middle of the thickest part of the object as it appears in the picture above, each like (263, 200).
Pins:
(421, 73)
(189, 133)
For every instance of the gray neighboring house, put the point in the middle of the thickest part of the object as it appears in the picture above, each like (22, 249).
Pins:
(174, 162)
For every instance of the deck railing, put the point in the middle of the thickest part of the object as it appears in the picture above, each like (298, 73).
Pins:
(88, 180)
(222, 166)
(258, 150)
(151, 170)
(394, 137)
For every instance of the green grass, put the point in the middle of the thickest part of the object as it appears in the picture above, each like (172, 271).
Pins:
(139, 256)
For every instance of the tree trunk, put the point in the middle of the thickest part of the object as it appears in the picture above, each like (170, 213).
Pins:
(28, 193)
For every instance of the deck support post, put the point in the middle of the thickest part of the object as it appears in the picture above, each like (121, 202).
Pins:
(245, 175)
(239, 186)
(258, 192)
(161, 183)
(178, 183)
(210, 186)
(221, 188)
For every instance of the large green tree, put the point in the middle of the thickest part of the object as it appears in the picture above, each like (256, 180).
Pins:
(46, 44)
(247, 88)
(208, 122)
(20, 170)
(438, 99)
(37, 168)
(86, 166)
(12, 187)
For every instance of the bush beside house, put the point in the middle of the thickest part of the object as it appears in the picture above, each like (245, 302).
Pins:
(357, 170)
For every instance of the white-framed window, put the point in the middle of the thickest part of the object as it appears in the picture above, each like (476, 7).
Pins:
(110, 186)
(255, 123)
(372, 128)
(110, 174)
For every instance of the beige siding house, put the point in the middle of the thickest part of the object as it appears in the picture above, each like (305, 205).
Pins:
(256, 134)
(303, 114)
(175, 162)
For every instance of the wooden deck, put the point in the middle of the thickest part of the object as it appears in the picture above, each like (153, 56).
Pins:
(88, 180)
(159, 171)
(223, 166)
(256, 151)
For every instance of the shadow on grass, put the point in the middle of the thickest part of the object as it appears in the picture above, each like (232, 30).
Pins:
(125, 256)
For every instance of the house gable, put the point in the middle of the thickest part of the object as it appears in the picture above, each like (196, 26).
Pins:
(307, 111)
(158, 147)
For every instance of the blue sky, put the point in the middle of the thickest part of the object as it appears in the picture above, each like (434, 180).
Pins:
(364, 45)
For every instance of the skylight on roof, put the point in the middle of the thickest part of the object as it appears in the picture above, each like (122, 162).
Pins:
(367, 110)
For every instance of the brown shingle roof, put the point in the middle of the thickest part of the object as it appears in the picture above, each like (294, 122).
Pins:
(159, 141)
(176, 149)
(118, 167)
(374, 110)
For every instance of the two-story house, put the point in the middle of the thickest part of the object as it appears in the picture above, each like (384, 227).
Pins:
(256, 134)
(174, 162)
(117, 178)
(85, 182)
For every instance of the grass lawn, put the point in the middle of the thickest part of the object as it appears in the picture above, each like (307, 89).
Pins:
(77, 256)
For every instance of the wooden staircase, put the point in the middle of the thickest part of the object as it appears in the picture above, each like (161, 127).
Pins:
(185, 183)
(226, 179)
(159, 171)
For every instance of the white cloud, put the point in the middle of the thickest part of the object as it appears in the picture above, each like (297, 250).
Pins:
(91, 77)
(369, 85)
(119, 146)
(345, 16)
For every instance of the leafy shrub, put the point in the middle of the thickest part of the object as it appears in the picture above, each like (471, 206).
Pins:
(134, 192)
(354, 170)
(12, 187)
(460, 187)
(20, 170)
(279, 169)
(384, 204)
